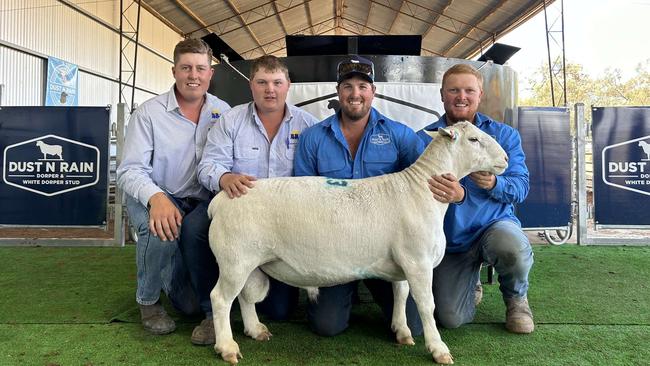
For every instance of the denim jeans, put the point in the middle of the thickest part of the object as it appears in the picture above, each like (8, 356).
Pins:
(204, 271)
(159, 263)
(329, 316)
(503, 245)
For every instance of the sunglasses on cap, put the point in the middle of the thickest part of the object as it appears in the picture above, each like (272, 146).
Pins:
(355, 66)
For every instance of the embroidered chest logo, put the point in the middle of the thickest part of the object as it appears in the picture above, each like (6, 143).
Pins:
(380, 139)
(292, 140)
(216, 113)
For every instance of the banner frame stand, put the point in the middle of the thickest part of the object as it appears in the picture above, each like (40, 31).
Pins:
(118, 239)
(583, 235)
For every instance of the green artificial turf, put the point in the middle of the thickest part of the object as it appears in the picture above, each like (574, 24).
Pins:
(591, 306)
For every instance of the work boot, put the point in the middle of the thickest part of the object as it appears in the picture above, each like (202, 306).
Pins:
(519, 318)
(203, 334)
(478, 294)
(155, 320)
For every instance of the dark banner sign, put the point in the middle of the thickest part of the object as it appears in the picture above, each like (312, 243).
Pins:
(546, 140)
(54, 165)
(621, 151)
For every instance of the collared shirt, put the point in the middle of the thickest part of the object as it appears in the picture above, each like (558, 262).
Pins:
(466, 221)
(386, 147)
(163, 148)
(239, 144)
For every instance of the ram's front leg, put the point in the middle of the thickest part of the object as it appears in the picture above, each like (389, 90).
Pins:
(419, 280)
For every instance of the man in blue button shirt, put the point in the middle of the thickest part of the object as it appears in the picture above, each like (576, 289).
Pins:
(163, 146)
(357, 142)
(251, 141)
(480, 224)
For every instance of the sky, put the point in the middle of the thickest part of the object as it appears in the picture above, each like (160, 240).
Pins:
(598, 34)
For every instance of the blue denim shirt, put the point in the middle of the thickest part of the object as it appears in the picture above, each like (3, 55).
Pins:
(238, 143)
(466, 221)
(386, 147)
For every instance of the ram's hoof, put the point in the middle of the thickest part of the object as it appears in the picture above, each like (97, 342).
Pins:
(264, 336)
(231, 358)
(444, 359)
(407, 341)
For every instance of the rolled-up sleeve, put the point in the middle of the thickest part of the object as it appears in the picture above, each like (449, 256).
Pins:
(513, 185)
(218, 154)
(134, 172)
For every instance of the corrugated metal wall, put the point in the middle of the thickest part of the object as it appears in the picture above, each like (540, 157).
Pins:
(50, 28)
(22, 78)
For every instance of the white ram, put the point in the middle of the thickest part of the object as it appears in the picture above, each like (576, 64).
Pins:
(314, 231)
(54, 150)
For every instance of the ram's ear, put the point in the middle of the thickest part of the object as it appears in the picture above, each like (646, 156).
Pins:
(448, 132)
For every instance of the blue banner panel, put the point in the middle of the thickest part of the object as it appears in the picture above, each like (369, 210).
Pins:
(546, 140)
(62, 83)
(54, 165)
(621, 150)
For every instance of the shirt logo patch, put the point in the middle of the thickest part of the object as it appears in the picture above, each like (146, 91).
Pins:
(292, 140)
(216, 113)
(380, 139)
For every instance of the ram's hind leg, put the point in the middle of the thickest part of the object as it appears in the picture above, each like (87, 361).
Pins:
(255, 290)
(399, 324)
(232, 278)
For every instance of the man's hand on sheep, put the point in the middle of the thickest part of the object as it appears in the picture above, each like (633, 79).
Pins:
(485, 180)
(164, 217)
(446, 188)
(236, 185)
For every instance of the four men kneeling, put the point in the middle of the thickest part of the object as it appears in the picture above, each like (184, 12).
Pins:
(186, 145)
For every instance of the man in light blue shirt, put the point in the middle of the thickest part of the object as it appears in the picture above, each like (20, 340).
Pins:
(480, 225)
(251, 141)
(357, 142)
(163, 145)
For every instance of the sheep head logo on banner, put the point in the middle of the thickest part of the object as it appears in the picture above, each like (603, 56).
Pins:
(51, 165)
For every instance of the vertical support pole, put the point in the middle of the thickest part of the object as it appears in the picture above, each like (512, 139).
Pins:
(119, 223)
(581, 136)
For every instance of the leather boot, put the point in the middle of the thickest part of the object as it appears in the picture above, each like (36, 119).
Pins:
(519, 317)
(203, 334)
(155, 320)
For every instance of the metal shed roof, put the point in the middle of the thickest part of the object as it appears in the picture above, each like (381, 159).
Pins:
(449, 28)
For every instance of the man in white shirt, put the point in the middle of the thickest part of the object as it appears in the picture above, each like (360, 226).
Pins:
(251, 141)
(163, 146)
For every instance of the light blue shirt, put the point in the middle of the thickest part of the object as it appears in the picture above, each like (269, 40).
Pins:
(467, 220)
(239, 144)
(386, 147)
(162, 148)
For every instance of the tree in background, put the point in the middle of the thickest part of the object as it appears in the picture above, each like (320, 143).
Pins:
(604, 91)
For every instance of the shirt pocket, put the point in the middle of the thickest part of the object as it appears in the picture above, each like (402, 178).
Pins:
(246, 160)
(331, 165)
(380, 159)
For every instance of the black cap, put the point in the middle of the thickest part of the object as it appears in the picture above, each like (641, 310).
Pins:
(353, 66)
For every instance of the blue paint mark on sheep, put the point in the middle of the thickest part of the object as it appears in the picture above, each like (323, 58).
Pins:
(337, 182)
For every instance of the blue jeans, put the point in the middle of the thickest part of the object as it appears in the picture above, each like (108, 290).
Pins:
(503, 245)
(159, 263)
(204, 271)
(329, 316)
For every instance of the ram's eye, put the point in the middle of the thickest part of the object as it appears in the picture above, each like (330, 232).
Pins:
(473, 139)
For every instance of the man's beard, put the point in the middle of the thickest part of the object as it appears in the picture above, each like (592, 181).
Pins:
(354, 116)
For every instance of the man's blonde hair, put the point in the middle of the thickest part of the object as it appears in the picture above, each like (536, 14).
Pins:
(463, 69)
(192, 45)
(269, 63)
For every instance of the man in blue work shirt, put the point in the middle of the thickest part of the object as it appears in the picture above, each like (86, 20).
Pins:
(253, 140)
(357, 142)
(163, 146)
(480, 224)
